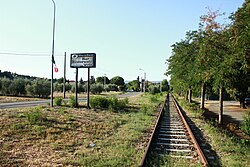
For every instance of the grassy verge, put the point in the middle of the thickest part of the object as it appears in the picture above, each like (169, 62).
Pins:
(9, 99)
(230, 150)
(43, 136)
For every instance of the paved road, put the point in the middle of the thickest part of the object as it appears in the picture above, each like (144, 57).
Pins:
(45, 102)
(128, 94)
(29, 103)
(23, 104)
(231, 109)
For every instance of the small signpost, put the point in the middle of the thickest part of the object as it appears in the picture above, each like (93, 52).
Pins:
(82, 60)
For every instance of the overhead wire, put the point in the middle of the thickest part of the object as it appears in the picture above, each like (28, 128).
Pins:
(26, 54)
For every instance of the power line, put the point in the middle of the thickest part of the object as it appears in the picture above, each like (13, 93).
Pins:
(26, 54)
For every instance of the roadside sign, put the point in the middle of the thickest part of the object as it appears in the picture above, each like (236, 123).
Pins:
(83, 60)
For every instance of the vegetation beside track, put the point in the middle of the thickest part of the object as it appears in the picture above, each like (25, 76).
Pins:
(9, 99)
(77, 137)
(231, 150)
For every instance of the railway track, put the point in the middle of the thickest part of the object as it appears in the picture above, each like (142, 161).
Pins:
(172, 138)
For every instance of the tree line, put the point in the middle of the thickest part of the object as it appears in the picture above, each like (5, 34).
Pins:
(214, 59)
(22, 85)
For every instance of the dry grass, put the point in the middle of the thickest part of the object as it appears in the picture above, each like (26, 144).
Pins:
(61, 136)
(8, 99)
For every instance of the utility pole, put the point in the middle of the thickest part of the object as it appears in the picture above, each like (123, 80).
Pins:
(52, 57)
(64, 76)
(143, 82)
(104, 80)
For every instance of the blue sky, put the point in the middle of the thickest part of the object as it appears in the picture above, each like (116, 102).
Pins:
(126, 35)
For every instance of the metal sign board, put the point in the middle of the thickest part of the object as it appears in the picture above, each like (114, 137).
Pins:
(83, 60)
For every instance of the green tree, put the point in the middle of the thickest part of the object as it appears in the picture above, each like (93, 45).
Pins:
(0, 84)
(5, 85)
(92, 80)
(210, 51)
(117, 80)
(60, 80)
(81, 81)
(240, 60)
(164, 85)
(30, 89)
(102, 80)
(153, 89)
(81, 88)
(181, 65)
(58, 87)
(39, 87)
(96, 88)
(112, 87)
(134, 85)
(17, 86)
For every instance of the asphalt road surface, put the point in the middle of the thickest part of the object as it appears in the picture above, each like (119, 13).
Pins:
(231, 109)
(128, 94)
(29, 103)
(45, 102)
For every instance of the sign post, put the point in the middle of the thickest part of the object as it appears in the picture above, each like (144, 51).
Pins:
(88, 88)
(76, 88)
(82, 60)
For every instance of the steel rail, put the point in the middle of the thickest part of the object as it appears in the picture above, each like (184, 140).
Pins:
(152, 135)
(193, 139)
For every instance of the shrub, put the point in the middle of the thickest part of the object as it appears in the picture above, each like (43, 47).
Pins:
(153, 89)
(35, 117)
(107, 88)
(99, 102)
(115, 104)
(245, 125)
(58, 101)
(153, 99)
(96, 88)
(111, 103)
(113, 87)
(72, 101)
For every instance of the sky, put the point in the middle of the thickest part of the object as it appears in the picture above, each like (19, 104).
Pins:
(129, 37)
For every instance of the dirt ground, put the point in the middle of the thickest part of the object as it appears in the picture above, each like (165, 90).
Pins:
(232, 115)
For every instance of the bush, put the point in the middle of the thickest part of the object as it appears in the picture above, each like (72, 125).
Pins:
(58, 101)
(153, 89)
(115, 104)
(111, 103)
(72, 101)
(99, 102)
(96, 88)
(112, 87)
(245, 125)
(107, 88)
(153, 99)
(35, 118)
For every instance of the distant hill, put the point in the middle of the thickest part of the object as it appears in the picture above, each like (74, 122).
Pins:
(11, 75)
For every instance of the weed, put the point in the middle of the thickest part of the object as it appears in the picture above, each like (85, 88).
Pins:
(35, 118)
(18, 126)
(99, 102)
(115, 104)
(233, 152)
(112, 103)
(72, 101)
(64, 135)
(40, 130)
(153, 99)
(58, 101)
(62, 111)
(245, 125)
